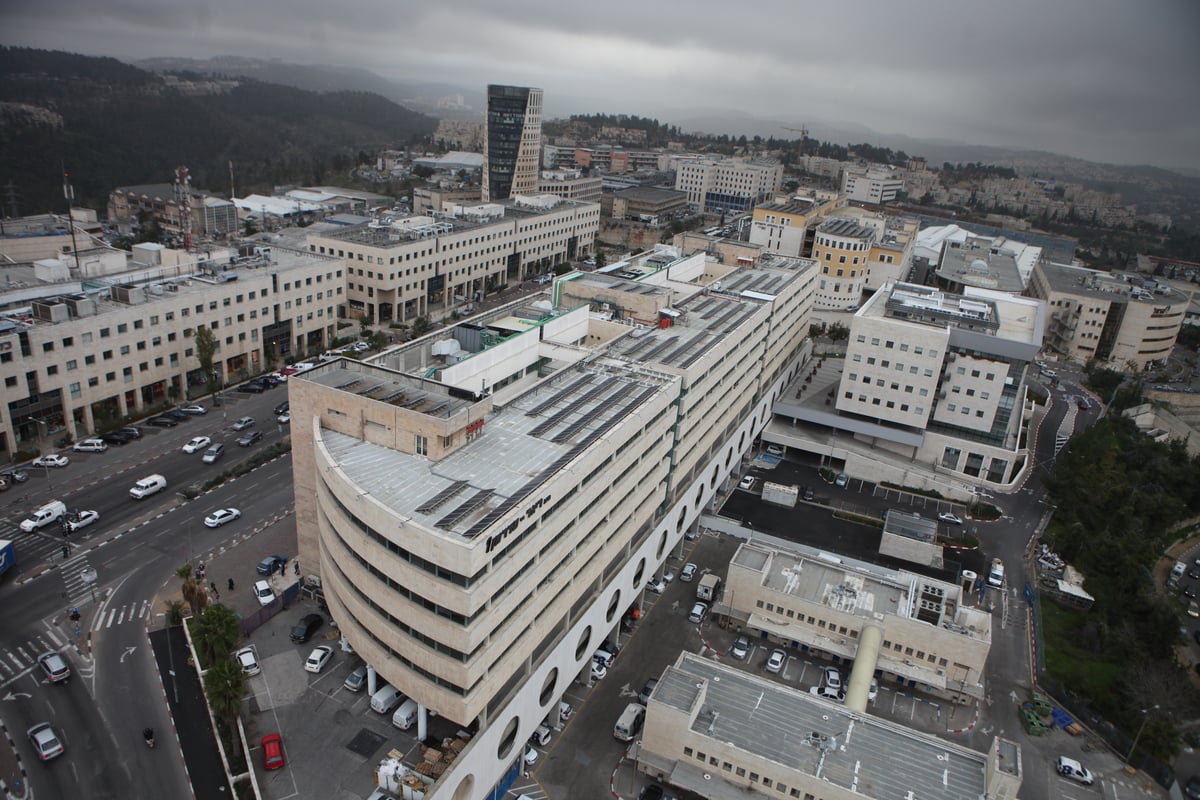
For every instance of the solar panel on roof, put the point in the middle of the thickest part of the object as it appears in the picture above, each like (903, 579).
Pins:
(587, 397)
(670, 358)
(369, 389)
(663, 346)
(349, 384)
(553, 399)
(441, 497)
(470, 504)
(392, 396)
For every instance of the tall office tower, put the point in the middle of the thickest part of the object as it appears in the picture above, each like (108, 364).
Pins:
(512, 141)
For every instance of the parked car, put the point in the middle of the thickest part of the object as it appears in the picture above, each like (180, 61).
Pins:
(115, 437)
(774, 450)
(831, 678)
(357, 679)
(247, 659)
(195, 409)
(270, 564)
(565, 711)
(52, 460)
(253, 387)
(808, 494)
(284, 419)
(131, 432)
(1070, 768)
(541, 736)
(218, 518)
(162, 422)
(655, 585)
(176, 415)
(272, 747)
(668, 574)
(243, 423)
(647, 691)
(950, 519)
(688, 572)
(249, 438)
(776, 660)
(264, 593)
(17, 475)
(842, 479)
(740, 649)
(197, 443)
(80, 519)
(318, 658)
(598, 671)
(306, 627)
(282, 408)
(746, 482)
(699, 610)
(46, 742)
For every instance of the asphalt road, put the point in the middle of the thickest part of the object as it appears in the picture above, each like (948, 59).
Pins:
(135, 548)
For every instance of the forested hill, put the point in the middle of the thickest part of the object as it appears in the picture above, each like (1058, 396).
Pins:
(113, 124)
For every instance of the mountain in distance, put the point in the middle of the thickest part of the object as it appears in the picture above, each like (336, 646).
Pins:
(418, 96)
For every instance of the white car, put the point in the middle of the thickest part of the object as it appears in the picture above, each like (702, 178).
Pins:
(776, 660)
(264, 593)
(699, 610)
(668, 574)
(81, 520)
(598, 671)
(285, 418)
(873, 692)
(841, 480)
(1070, 768)
(746, 482)
(531, 756)
(831, 678)
(564, 711)
(196, 444)
(52, 460)
(688, 572)
(221, 516)
(655, 585)
(247, 659)
(45, 741)
(318, 658)
(949, 518)
(360, 347)
(279, 376)
(194, 408)
(243, 423)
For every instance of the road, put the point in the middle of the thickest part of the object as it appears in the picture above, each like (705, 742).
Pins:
(134, 548)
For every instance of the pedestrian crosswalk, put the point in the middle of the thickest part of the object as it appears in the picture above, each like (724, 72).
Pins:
(78, 578)
(18, 658)
(128, 613)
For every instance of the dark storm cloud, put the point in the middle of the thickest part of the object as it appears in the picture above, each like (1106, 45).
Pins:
(1103, 79)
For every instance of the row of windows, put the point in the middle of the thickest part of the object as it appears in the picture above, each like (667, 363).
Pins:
(875, 401)
(895, 385)
(886, 364)
(964, 410)
(751, 776)
(889, 344)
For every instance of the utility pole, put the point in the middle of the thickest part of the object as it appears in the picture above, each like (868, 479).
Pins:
(69, 194)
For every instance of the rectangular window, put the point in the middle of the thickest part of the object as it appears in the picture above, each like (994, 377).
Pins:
(422, 445)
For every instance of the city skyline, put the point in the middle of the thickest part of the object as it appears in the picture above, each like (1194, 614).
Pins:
(1090, 80)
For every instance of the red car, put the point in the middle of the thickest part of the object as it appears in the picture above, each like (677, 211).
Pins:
(272, 745)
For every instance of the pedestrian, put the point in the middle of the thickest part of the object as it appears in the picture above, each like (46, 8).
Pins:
(231, 584)
(216, 592)
(297, 566)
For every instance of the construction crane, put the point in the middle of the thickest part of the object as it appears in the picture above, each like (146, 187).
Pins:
(802, 130)
(183, 197)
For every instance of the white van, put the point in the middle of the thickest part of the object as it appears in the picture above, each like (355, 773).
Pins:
(51, 512)
(90, 446)
(406, 715)
(629, 724)
(148, 486)
(385, 699)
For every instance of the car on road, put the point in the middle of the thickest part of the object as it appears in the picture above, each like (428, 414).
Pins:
(306, 627)
(272, 747)
(52, 460)
(357, 679)
(318, 658)
(776, 660)
(80, 519)
(54, 667)
(243, 423)
(221, 516)
(282, 408)
(842, 479)
(213, 453)
(264, 593)
(831, 678)
(162, 422)
(247, 659)
(15, 475)
(688, 572)
(950, 519)
(746, 482)
(740, 648)
(196, 444)
(270, 564)
(195, 409)
(647, 691)
(655, 585)
(1070, 768)
(45, 741)
(699, 610)
(249, 438)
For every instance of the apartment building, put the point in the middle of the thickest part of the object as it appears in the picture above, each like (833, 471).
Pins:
(727, 185)
(908, 630)
(211, 215)
(484, 505)
(401, 270)
(512, 141)
(842, 246)
(79, 354)
(570, 184)
(788, 228)
(720, 732)
(871, 184)
(1118, 319)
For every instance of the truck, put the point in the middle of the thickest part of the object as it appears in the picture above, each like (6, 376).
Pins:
(996, 575)
(7, 556)
(708, 586)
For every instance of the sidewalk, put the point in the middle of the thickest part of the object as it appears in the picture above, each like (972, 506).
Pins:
(12, 773)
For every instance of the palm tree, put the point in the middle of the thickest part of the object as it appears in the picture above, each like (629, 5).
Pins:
(215, 634)
(224, 684)
(194, 593)
(174, 611)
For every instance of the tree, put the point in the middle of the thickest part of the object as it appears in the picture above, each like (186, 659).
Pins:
(205, 349)
(421, 326)
(600, 261)
(224, 685)
(215, 634)
(174, 612)
(193, 590)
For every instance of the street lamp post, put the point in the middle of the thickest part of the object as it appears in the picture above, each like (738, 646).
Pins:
(89, 576)
(1145, 718)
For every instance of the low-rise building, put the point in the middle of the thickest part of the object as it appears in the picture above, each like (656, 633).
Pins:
(874, 183)
(570, 184)
(1117, 319)
(645, 203)
(719, 732)
(727, 185)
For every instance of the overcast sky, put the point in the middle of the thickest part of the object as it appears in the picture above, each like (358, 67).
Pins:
(1107, 80)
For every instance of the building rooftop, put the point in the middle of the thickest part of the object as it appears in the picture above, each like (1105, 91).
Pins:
(846, 228)
(1116, 286)
(795, 206)
(856, 752)
(650, 194)
(979, 266)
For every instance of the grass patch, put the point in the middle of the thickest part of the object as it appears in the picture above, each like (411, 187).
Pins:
(1083, 669)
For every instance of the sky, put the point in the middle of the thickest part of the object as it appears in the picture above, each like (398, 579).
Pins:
(1107, 80)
